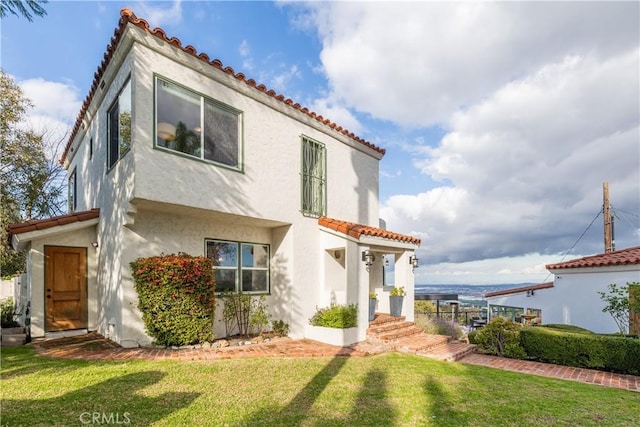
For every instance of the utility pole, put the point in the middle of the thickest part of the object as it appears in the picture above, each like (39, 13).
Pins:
(608, 220)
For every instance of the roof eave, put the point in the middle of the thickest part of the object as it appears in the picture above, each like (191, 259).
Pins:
(19, 241)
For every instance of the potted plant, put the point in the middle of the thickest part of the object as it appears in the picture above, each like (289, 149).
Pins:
(396, 298)
(373, 299)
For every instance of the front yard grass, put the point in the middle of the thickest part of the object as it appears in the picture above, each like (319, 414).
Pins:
(385, 390)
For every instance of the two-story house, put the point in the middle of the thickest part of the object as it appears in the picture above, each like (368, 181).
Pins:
(173, 152)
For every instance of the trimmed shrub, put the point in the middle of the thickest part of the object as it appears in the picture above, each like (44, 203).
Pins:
(176, 295)
(7, 311)
(336, 316)
(567, 328)
(500, 337)
(604, 352)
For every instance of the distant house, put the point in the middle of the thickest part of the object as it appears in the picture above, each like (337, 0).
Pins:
(173, 152)
(572, 298)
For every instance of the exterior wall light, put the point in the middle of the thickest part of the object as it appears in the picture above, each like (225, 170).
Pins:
(94, 244)
(368, 258)
(414, 261)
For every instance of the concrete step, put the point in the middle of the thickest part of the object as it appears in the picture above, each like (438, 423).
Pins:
(13, 340)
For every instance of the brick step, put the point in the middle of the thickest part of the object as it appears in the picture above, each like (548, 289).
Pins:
(406, 331)
(381, 318)
(420, 343)
(388, 326)
(449, 352)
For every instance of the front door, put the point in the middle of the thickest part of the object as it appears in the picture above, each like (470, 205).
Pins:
(65, 288)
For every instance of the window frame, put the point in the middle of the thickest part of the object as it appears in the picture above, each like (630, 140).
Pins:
(72, 191)
(239, 268)
(116, 103)
(204, 102)
(317, 206)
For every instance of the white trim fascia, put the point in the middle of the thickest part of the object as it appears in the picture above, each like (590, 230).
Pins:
(595, 270)
(19, 241)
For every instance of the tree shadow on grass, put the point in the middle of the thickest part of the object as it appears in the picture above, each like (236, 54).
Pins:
(371, 405)
(18, 361)
(114, 401)
(441, 409)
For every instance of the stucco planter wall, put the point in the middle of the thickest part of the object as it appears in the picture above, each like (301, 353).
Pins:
(333, 336)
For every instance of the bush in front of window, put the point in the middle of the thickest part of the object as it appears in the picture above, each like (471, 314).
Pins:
(336, 316)
(243, 313)
(176, 295)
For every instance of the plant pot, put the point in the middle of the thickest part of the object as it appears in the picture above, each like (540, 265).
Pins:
(372, 308)
(395, 305)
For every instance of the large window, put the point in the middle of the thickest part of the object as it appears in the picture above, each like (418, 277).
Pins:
(72, 192)
(119, 127)
(314, 178)
(239, 266)
(191, 124)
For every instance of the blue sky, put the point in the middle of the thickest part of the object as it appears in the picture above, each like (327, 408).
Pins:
(501, 120)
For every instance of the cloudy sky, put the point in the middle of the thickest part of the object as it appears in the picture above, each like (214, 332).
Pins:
(501, 120)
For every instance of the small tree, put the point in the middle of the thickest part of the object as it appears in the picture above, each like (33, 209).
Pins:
(619, 304)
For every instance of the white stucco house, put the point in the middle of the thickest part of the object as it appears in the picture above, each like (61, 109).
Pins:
(174, 152)
(572, 298)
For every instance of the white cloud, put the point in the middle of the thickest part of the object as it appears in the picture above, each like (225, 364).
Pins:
(419, 63)
(159, 15)
(55, 107)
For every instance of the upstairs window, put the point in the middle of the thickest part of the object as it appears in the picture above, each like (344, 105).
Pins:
(72, 192)
(197, 126)
(239, 266)
(119, 126)
(314, 178)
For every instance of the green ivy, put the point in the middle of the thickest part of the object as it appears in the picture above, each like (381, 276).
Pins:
(336, 316)
(176, 295)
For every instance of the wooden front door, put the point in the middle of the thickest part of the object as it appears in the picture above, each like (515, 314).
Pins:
(65, 288)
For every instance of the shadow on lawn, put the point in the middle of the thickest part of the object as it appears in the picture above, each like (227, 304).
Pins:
(370, 407)
(114, 401)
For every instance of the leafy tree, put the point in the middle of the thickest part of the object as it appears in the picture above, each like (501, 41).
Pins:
(619, 304)
(26, 8)
(32, 182)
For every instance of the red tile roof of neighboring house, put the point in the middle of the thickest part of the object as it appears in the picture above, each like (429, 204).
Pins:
(356, 230)
(127, 16)
(43, 224)
(628, 256)
(519, 290)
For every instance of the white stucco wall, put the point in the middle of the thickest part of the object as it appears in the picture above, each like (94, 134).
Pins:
(574, 299)
(139, 194)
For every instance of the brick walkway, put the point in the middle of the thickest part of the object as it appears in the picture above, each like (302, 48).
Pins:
(94, 347)
(589, 376)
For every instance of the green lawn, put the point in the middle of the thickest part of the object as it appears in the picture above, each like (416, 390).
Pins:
(385, 390)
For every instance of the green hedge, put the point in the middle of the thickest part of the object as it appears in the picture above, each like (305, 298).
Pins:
(176, 295)
(604, 352)
(499, 337)
(336, 316)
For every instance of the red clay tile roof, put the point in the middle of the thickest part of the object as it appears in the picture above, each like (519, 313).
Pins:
(357, 230)
(43, 224)
(628, 256)
(519, 290)
(127, 16)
